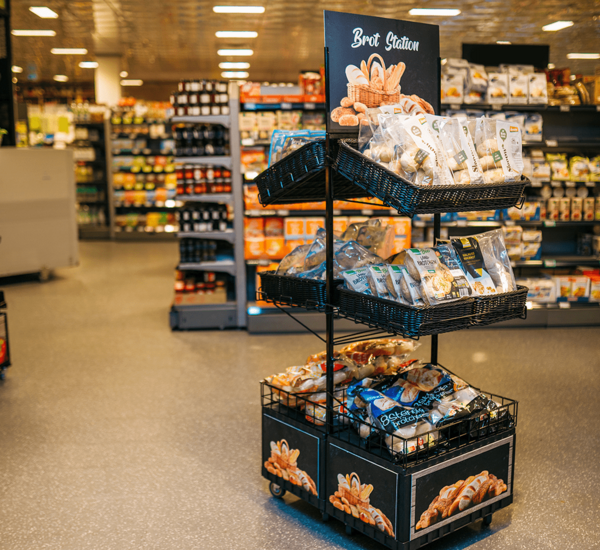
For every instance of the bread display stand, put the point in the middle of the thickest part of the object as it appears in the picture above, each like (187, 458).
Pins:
(454, 475)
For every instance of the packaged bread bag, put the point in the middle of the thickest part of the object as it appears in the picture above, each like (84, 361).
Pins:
(473, 265)
(459, 149)
(499, 147)
(434, 123)
(437, 282)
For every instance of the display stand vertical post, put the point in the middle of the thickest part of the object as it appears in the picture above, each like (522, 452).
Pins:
(436, 236)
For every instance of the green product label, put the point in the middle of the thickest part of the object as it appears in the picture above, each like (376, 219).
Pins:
(503, 134)
(497, 156)
(465, 130)
(435, 126)
(415, 251)
(421, 156)
(431, 271)
(460, 157)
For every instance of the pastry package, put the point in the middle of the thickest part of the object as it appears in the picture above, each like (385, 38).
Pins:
(452, 87)
(293, 260)
(594, 169)
(351, 255)
(402, 287)
(437, 282)
(471, 259)
(434, 123)
(498, 145)
(357, 280)
(459, 149)
(415, 153)
(496, 259)
(376, 278)
(497, 90)
(374, 235)
(449, 258)
(284, 142)
(475, 84)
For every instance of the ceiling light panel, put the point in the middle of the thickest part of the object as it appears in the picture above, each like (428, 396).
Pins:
(69, 51)
(43, 12)
(234, 65)
(236, 51)
(583, 56)
(33, 32)
(434, 12)
(234, 74)
(61, 78)
(557, 26)
(239, 9)
(236, 34)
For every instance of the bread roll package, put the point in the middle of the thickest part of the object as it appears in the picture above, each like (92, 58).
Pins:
(473, 265)
(403, 287)
(499, 147)
(434, 123)
(376, 279)
(460, 151)
(497, 260)
(357, 280)
(437, 282)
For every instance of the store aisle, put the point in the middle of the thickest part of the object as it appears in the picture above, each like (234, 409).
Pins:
(116, 433)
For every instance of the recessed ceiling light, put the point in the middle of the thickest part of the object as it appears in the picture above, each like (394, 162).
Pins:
(123, 74)
(557, 25)
(132, 82)
(551, 66)
(236, 34)
(235, 52)
(14, 79)
(68, 51)
(239, 9)
(234, 74)
(17, 69)
(234, 65)
(43, 12)
(61, 77)
(33, 32)
(503, 42)
(89, 64)
(434, 12)
(583, 56)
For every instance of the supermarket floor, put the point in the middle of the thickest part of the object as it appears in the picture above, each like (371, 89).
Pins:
(116, 433)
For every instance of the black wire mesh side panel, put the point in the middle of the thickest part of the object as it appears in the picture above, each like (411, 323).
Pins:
(410, 199)
(4, 346)
(402, 319)
(300, 177)
(501, 307)
(294, 291)
(434, 443)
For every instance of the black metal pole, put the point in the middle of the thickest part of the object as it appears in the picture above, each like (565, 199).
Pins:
(7, 101)
(328, 274)
(437, 226)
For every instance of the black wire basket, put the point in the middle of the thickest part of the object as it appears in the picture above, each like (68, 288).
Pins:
(300, 177)
(296, 291)
(402, 319)
(500, 307)
(410, 199)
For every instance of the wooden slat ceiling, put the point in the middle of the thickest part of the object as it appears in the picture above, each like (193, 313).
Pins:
(171, 39)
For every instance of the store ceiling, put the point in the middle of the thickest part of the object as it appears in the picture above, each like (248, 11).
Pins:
(164, 40)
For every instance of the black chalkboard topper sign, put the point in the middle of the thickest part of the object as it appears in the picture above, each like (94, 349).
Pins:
(375, 61)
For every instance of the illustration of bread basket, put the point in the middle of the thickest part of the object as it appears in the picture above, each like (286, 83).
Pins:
(382, 88)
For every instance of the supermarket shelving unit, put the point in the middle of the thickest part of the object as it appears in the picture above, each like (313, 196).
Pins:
(100, 166)
(229, 314)
(334, 447)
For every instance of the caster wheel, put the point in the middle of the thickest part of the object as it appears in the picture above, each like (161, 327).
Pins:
(487, 520)
(325, 516)
(349, 530)
(276, 490)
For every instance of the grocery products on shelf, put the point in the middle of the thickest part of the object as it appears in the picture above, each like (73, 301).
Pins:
(201, 98)
(204, 218)
(198, 179)
(199, 140)
(200, 287)
(145, 222)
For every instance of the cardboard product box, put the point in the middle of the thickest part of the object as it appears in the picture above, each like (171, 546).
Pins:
(401, 242)
(532, 251)
(340, 224)
(563, 287)
(452, 88)
(537, 89)
(564, 209)
(251, 201)
(217, 296)
(402, 227)
(588, 209)
(594, 288)
(497, 91)
(580, 287)
(518, 85)
(540, 290)
(312, 226)
(275, 247)
(531, 236)
(357, 219)
(529, 212)
(254, 228)
(273, 227)
(576, 209)
(294, 228)
(552, 209)
(254, 248)
(513, 234)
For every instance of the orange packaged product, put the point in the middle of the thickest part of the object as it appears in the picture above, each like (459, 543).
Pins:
(161, 194)
(275, 247)
(251, 201)
(291, 244)
(312, 225)
(294, 228)
(273, 227)
(254, 248)
(254, 228)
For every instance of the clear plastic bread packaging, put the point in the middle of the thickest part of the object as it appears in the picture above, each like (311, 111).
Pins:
(471, 258)
(499, 147)
(374, 235)
(351, 255)
(376, 277)
(403, 287)
(295, 259)
(357, 280)
(448, 257)
(496, 259)
(437, 282)
(460, 152)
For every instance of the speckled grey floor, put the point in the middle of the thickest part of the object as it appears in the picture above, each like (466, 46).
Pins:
(116, 433)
